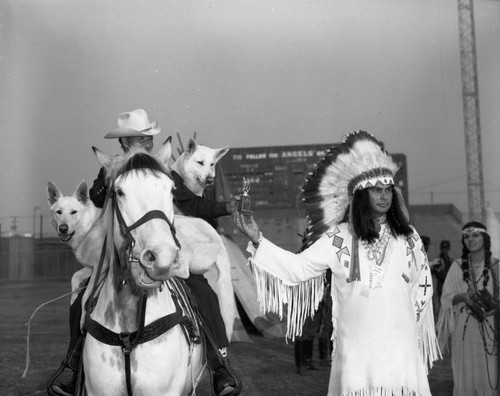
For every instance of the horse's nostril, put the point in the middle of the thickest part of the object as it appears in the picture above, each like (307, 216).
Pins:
(148, 256)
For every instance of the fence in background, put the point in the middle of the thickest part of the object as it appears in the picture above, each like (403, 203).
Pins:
(27, 258)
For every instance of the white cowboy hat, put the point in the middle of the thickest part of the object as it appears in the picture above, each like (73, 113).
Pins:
(134, 123)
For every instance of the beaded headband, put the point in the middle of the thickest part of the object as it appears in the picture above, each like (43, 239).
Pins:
(474, 229)
(384, 178)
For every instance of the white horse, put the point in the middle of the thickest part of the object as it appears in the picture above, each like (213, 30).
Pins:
(123, 351)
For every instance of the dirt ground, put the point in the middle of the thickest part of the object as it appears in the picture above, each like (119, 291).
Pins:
(266, 365)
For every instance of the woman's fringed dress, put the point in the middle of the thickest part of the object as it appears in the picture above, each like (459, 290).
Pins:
(475, 370)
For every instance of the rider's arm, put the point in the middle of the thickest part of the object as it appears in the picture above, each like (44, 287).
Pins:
(97, 192)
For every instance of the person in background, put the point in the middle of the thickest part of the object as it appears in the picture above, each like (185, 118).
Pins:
(382, 317)
(426, 241)
(304, 345)
(439, 268)
(326, 329)
(469, 302)
(319, 326)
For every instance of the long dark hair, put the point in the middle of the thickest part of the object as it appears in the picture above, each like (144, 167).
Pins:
(363, 226)
(487, 252)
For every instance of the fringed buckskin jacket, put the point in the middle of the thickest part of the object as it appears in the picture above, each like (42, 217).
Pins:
(384, 335)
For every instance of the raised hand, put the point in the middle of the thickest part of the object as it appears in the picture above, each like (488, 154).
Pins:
(247, 226)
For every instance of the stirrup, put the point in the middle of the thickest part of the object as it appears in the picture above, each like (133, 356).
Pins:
(52, 379)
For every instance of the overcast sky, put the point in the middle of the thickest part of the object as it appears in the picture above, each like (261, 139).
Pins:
(241, 73)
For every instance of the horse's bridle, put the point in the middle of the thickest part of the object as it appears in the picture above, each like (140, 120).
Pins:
(125, 231)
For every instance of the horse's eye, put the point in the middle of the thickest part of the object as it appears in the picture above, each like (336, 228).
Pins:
(120, 192)
(73, 212)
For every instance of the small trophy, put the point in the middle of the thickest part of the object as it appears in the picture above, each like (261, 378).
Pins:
(244, 205)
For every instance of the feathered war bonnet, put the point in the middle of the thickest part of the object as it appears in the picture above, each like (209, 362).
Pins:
(358, 162)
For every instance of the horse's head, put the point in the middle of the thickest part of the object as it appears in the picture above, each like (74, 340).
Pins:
(140, 195)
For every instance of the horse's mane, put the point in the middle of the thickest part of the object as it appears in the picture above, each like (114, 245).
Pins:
(137, 159)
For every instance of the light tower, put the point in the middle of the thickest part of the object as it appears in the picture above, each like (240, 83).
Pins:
(472, 125)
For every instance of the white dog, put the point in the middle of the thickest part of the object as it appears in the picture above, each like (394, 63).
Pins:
(75, 218)
(196, 165)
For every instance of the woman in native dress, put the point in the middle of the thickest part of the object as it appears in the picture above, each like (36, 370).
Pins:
(381, 285)
(468, 321)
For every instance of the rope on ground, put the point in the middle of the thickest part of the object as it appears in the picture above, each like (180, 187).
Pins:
(25, 372)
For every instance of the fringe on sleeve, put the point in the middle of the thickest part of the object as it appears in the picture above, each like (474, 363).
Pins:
(301, 300)
(428, 343)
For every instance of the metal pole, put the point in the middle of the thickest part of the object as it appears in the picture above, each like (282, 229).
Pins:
(470, 97)
(41, 226)
(34, 219)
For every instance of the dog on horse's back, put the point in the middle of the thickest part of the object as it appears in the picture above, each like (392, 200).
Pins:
(196, 165)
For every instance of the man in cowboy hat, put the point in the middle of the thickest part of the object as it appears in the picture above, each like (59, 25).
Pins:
(135, 129)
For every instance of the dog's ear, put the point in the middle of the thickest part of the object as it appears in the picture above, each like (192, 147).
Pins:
(219, 153)
(165, 151)
(82, 192)
(103, 158)
(191, 148)
(53, 193)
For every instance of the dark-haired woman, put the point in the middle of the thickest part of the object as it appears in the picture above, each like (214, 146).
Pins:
(470, 323)
(381, 286)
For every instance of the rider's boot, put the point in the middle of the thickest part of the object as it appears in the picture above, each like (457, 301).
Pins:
(224, 380)
(72, 360)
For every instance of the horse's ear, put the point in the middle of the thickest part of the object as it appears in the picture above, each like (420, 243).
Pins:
(219, 153)
(165, 151)
(53, 193)
(104, 159)
(82, 192)
(191, 148)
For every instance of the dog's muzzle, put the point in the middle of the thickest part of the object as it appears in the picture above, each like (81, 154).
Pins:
(64, 236)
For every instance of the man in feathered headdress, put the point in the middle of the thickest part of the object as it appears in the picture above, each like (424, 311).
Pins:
(381, 285)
